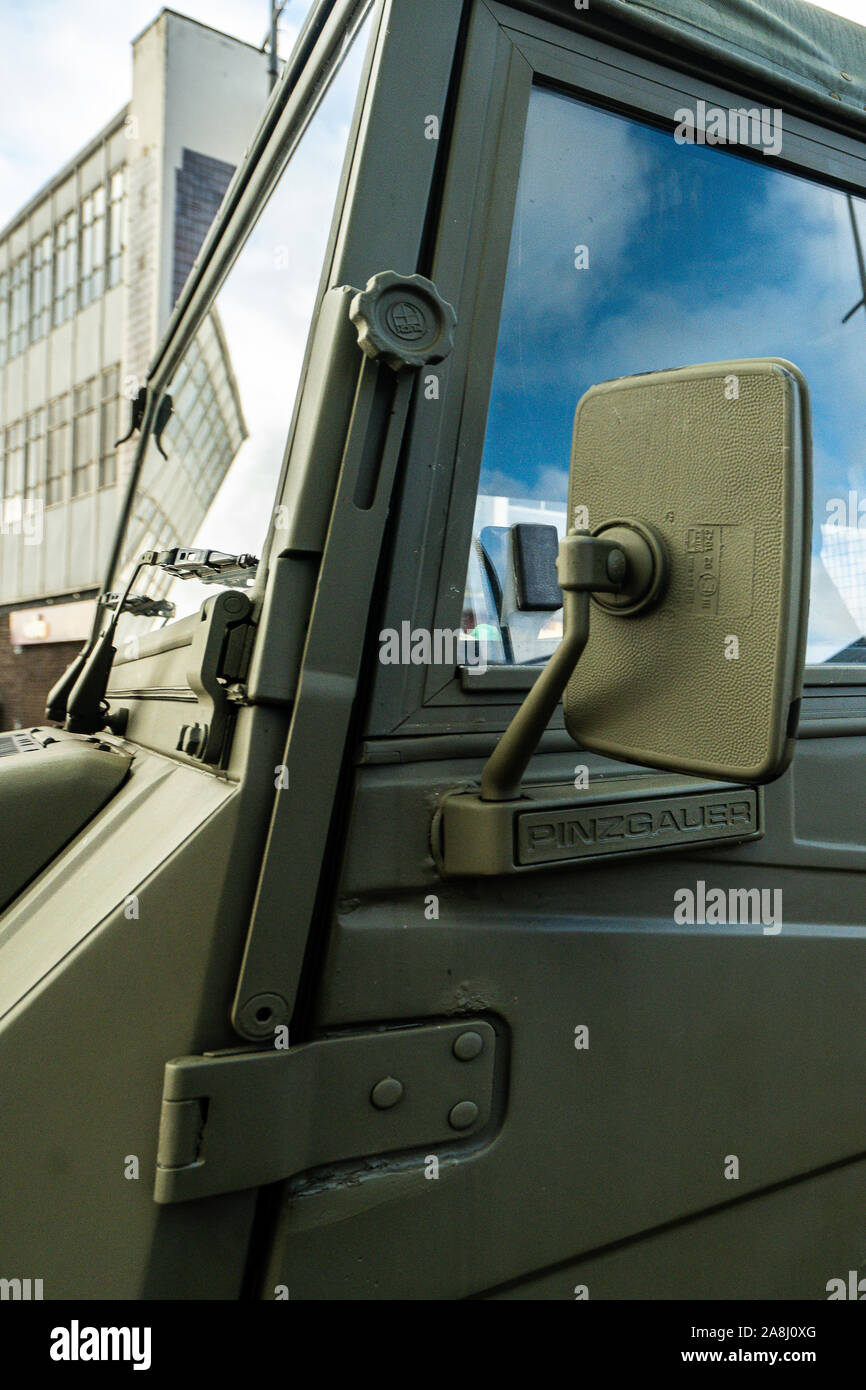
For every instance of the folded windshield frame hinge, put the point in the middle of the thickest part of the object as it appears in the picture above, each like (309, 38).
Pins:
(219, 656)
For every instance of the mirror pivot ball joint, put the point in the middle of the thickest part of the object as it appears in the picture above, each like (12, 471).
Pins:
(646, 568)
(624, 566)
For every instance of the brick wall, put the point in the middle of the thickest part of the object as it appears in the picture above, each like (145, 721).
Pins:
(26, 676)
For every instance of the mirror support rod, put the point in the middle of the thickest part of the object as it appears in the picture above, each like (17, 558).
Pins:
(586, 565)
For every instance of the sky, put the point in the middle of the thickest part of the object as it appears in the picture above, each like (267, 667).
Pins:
(76, 54)
(851, 9)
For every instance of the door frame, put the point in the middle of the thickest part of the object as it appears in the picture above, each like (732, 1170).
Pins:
(508, 52)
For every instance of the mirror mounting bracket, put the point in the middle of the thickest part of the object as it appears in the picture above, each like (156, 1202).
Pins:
(623, 567)
(588, 564)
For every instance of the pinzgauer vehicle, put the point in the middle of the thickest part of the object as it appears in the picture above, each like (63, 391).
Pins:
(441, 873)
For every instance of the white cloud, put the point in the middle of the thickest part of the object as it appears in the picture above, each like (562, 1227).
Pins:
(65, 70)
(850, 9)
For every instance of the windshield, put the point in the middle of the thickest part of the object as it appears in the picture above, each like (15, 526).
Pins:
(212, 483)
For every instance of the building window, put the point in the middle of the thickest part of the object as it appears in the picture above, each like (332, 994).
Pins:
(65, 246)
(92, 254)
(57, 451)
(20, 287)
(4, 317)
(200, 183)
(14, 450)
(34, 457)
(40, 288)
(84, 438)
(116, 206)
(108, 430)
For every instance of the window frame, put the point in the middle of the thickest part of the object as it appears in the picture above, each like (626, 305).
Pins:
(14, 457)
(41, 286)
(58, 444)
(19, 304)
(508, 52)
(64, 275)
(35, 455)
(92, 213)
(5, 311)
(114, 226)
(85, 436)
(109, 428)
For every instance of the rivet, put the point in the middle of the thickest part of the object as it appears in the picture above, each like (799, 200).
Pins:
(386, 1093)
(463, 1115)
(467, 1046)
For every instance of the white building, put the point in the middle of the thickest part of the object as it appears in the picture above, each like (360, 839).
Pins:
(90, 269)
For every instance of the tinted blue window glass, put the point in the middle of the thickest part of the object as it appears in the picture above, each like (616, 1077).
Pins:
(632, 253)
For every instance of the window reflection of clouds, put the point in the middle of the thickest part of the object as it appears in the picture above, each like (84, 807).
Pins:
(695, 255)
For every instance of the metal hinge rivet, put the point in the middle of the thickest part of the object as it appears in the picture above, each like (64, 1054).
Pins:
(386, 1093)
(468, 1046)
(463, 1115)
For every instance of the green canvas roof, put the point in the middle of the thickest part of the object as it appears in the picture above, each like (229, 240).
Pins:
(802, 49)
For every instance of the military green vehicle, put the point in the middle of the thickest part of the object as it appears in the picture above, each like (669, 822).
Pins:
(441, 873)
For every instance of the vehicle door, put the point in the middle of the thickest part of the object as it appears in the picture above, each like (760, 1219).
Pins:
(634, 1104)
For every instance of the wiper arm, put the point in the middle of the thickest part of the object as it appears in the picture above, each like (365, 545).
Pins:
(141, 605)
(87, 710)
(57, 702)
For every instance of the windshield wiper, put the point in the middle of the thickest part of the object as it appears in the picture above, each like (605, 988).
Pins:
(207, 566)
(86, 682)
(140, 605)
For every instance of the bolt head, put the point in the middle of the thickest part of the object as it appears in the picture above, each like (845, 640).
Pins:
(468, 1046)
(464, 1115)
(386, 1093)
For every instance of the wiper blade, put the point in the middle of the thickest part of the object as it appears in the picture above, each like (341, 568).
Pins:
(140, 605)
(207, 566)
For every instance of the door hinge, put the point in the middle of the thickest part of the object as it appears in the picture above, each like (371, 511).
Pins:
(240, 1119)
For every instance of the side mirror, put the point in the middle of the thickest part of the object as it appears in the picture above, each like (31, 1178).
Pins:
(685, 581)
(714, 462)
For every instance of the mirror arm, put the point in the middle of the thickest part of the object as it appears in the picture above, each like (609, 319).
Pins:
(586, 565)
(504, 769)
